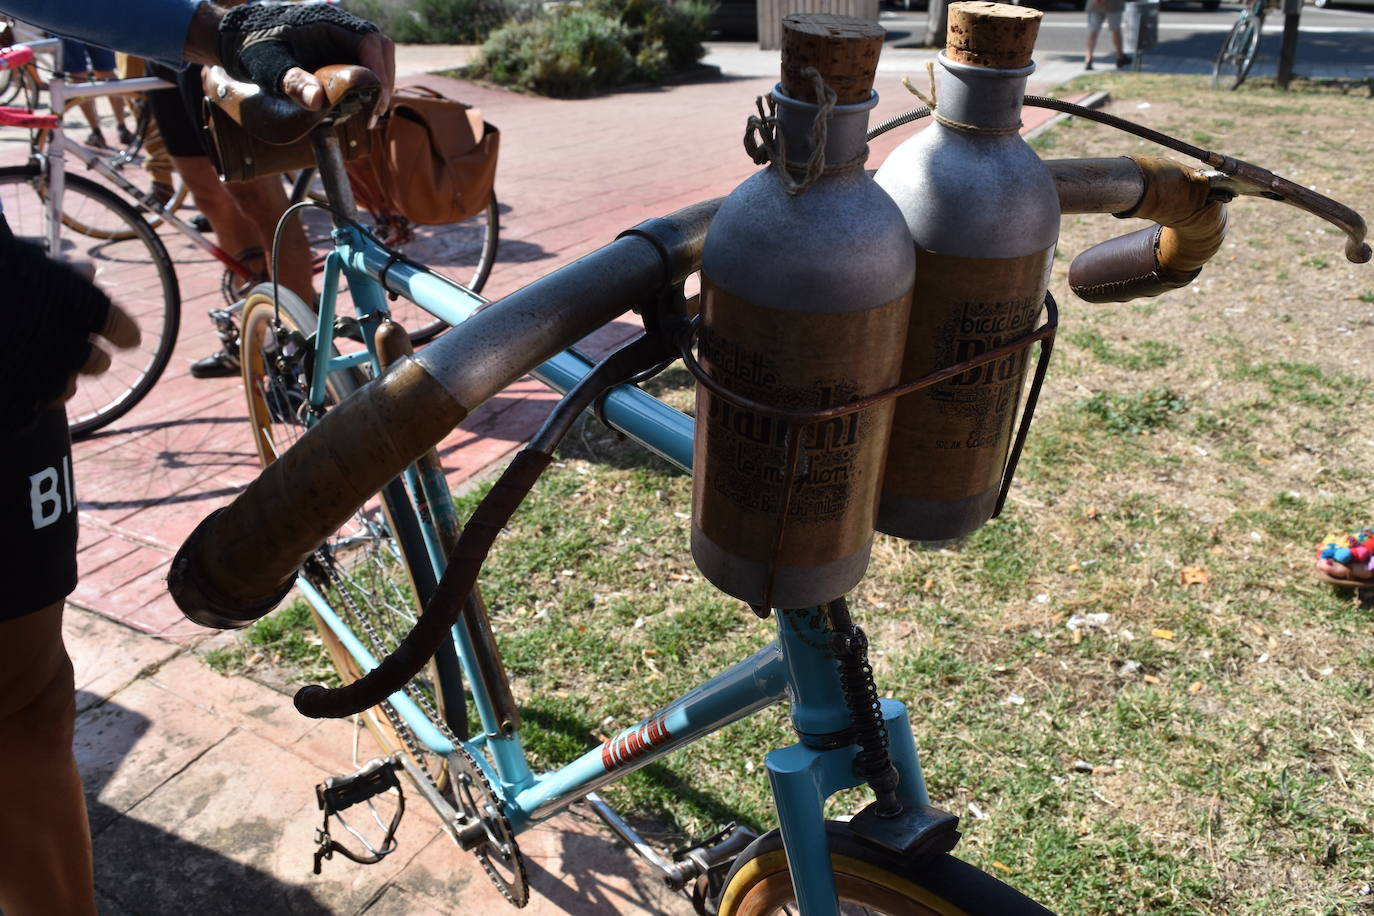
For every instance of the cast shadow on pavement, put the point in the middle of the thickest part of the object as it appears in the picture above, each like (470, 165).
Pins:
(143, 869)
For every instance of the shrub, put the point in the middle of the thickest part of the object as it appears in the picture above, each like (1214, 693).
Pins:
(570, 53)
(442, 21)
(579, 49)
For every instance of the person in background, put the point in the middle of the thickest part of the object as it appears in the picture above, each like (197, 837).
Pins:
(76, 55)
(1108, 11)
(242, 214)
(52, 316)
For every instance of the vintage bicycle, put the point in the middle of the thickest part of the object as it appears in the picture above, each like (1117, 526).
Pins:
(352, 495)
(1241, 47)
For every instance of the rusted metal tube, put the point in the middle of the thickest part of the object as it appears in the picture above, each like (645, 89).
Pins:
(241, 561)
(1111, 185)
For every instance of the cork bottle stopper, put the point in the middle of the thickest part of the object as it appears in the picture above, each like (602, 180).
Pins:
(844, 49)
(994, 35)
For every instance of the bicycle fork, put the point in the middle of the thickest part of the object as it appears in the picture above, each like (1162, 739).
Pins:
(846, 739)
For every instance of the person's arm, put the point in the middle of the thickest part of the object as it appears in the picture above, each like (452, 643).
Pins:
(148, 28)
(279, 46)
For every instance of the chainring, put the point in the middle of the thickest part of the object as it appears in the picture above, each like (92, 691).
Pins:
(500, 854)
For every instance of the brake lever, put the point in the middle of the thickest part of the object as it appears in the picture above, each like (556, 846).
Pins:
(1235, 177)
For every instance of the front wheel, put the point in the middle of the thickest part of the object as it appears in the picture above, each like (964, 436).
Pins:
(131, 266)
(869, 881)
(1237, 54)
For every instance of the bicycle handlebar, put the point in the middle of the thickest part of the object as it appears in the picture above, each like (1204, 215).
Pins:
(1190, 227)
(15, 56)
(242, 560)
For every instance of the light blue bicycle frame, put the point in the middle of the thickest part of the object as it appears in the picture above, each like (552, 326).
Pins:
(797, 666)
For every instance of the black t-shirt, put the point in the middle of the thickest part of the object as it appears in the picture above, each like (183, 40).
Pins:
(37, 516)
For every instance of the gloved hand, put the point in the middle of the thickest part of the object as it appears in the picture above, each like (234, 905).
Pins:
(279, 46)
(51, 315)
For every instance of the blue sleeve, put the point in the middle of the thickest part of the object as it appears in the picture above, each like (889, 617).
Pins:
(148, 28)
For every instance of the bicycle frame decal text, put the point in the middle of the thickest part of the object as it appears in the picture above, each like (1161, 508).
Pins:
(634, 743)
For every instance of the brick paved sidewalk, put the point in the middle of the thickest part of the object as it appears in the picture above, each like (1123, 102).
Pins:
(200, 785)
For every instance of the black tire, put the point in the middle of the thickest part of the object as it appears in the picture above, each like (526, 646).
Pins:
(135, 271)
(464, 251)
(869, 880)
(1211, 6)
(375, 569)
(1238, 51)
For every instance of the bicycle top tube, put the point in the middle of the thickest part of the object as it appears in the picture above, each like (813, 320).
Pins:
(60, 90)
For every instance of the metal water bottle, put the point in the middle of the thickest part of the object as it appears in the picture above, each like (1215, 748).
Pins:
(805, 301)
(984, 215)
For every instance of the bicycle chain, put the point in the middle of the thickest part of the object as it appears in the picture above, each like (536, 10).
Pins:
(516, 891)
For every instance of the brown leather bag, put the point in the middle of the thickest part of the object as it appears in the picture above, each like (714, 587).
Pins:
(239, 156)
(433, 158)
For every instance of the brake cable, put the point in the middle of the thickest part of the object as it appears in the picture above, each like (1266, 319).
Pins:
(1234, 176)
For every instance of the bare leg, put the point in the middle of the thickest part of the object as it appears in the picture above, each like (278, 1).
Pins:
(116, 101)
(234, 232)
(1116, 43)
(1092, 42)
(87, 106)
(263, 200)
(45, 840)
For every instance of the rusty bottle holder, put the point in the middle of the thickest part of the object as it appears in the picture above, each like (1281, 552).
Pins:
(793, 420)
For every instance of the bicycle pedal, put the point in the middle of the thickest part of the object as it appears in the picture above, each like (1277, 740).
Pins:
(339, 793)
(704, 865)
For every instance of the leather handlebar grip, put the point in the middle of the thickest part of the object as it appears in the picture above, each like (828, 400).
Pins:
(242, 560)
(276, 119)
(1157, 258)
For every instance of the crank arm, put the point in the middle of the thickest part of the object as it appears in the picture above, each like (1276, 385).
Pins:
(454, 822)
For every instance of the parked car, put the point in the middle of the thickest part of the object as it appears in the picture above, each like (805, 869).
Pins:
(735, 19)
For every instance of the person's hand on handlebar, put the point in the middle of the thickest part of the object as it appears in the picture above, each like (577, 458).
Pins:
(279, 46)
(53, 317)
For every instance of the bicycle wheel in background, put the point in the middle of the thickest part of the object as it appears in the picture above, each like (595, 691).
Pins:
(20, 88)
(375, 566)
(869, 881)
(134, 271)
(1238, 51)
(464, 251)
(130, 164)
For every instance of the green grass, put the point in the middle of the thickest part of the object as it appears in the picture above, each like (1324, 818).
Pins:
(285, 639)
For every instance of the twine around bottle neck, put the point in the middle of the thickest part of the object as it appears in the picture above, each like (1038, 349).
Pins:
(770, 145)
(932, 102)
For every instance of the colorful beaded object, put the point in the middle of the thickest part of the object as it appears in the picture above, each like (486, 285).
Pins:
(1346, 549)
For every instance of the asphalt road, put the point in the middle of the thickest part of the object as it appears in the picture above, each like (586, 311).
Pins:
(1186, 31)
